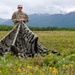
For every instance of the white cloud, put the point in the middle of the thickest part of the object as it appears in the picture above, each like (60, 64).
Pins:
(7, 7)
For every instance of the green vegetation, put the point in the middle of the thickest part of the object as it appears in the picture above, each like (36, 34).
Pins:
(44, 64)
(7, 28)
(51, 29)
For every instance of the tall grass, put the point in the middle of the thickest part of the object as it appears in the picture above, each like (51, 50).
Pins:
(50, 64)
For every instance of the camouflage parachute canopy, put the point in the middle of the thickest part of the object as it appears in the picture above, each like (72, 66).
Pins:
(21, 40)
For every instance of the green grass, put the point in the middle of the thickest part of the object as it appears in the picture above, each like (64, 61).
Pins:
(58, 40)
(3, 33)
(51, 64)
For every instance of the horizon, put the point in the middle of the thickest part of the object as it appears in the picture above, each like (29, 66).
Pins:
(41, 14)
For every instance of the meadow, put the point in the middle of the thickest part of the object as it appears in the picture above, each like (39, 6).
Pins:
(44, 64)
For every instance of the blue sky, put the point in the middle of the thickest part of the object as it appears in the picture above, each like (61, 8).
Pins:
(7, 7)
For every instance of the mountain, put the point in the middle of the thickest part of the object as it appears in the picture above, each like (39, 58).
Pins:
(58, 20)
(8, 22)
(2, 20)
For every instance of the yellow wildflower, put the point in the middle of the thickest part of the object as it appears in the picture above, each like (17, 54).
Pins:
(42, 73)
(19, 70)
(29, 67)
(25, 71)
(70, 65)
(50, 68)
(54, 70)
(31, 74)
(37, 68)
(64, 66)
(0, 71)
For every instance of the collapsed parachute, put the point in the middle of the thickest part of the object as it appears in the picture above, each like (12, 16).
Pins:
(21, 40)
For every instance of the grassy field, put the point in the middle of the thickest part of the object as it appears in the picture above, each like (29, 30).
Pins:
(51, 64)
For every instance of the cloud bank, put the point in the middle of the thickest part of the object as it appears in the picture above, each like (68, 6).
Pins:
(7, 7)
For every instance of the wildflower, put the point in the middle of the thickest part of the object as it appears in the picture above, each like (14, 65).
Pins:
(64, 66)
(70, 65)
(25, 71)
(37, 68)
(50, 68)
(29, 67)
(31, 74)
(0, 71)
(54, 70)
(19, 70)
(42, 73)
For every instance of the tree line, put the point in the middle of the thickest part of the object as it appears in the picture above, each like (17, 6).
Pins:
(8, 28)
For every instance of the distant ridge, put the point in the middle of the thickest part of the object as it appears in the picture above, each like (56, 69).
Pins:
(2, 20)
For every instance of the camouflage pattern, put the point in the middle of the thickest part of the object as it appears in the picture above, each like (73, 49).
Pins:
(23, 42)
(19, 15)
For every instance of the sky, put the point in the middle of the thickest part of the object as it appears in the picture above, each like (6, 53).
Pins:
(7, 7)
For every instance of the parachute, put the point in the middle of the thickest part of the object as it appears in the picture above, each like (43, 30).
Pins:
(23, 42)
